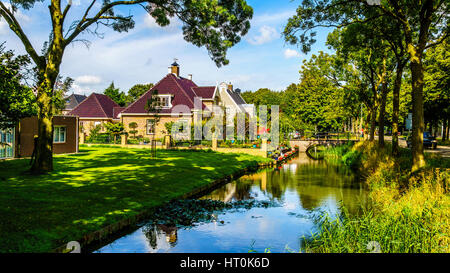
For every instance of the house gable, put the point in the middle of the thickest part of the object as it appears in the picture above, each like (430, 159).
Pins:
(95, 106)
(180, 89)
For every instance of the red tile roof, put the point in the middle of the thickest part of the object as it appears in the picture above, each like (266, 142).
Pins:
(180, 89)
(95, 106)
(206, 92)
(117, 111)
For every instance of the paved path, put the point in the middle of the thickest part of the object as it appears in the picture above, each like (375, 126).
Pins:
(444, 151)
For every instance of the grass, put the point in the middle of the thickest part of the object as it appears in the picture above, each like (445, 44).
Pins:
(97, 187)
(410, 212)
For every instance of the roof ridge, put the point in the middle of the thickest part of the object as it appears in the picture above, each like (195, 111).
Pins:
(101, 107)
(81, 102)
(131, 104)
(182, 89)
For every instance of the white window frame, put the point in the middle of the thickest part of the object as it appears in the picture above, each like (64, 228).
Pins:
(169, 100)
(147, 126)
(57, 129)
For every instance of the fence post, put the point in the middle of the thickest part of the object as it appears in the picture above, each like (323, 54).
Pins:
(124, 139)
(82, 137)
(167, 141)
(214, 143)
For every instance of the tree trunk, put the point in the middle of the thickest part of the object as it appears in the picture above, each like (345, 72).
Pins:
(396, 106)
(444, 130)
(417, 114)
(373, 122)
(47, 77)
(447, 131)
(384, 92)
(44, 160)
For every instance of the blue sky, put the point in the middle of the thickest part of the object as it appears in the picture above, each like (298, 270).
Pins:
(261, 60)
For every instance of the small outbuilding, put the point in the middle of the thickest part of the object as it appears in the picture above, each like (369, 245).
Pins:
(19, 141)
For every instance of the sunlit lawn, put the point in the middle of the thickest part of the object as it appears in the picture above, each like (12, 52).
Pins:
(97, 187)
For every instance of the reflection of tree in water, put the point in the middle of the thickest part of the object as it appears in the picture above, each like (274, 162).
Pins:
(315, 182)
(160, 234)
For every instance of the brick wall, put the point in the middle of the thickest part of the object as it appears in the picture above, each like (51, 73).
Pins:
(28, 128)
(142, 124)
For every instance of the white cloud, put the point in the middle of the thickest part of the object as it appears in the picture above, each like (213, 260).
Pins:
(3, 27)
(291, 53)
(150, 22)
(88, 80)
(18, 14)
(266, 34)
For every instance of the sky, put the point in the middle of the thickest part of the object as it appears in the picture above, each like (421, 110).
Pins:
(142, 55)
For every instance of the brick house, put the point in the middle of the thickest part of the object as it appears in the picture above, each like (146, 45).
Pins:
(176, 97)
(97, 109)
(19, 141)
(72, 101)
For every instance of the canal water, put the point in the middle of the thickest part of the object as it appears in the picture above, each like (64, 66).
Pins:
(304, 189)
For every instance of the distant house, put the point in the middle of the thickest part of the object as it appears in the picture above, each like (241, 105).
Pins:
(231, 98)
(97, 109)
(175, 94)
(72, 101)
(19, 141)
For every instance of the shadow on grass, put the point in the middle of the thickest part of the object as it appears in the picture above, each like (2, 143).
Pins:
(95, 188)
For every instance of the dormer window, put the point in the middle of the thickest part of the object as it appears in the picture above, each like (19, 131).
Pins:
(165, 101)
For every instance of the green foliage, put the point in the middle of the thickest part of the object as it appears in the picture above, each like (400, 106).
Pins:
(137, 91)
(437, 89)
(116, 95)
(115, 129)
(408, 212)
(17, 100)
(133, 125)
(99, 186)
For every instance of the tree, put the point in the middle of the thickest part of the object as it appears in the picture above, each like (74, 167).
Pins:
(437, 89)
(137, 91)
(114, 129)
(116, 95)
(133, 125)
(217, 25)
(17, 100)
(424, 24)
(62, 87)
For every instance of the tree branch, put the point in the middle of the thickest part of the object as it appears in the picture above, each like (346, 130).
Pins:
(86, 22)
(17, 29)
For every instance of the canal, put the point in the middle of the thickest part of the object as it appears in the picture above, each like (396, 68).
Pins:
(303, 190)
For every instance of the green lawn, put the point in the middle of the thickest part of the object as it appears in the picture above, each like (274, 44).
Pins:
(97, 187)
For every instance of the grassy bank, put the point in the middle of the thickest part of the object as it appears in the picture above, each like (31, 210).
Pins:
(97, 187)
(410, 212)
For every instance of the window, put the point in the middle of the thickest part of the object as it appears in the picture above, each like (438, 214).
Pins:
(164, 101)
(6, 143)
(59, 134)
(97, 123)
(150, 126)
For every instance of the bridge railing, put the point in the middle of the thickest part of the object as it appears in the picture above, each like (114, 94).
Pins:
(327, 136)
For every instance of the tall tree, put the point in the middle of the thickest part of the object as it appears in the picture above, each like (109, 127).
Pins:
(217, 25)
(16, 99)
(137, 91)
(115, 94)
(424, 24)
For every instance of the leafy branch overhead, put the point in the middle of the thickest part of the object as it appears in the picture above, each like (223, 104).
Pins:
(217, 25)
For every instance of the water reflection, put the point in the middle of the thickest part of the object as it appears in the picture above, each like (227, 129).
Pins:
(305, 188)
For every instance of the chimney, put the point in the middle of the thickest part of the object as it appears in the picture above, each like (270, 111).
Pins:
(175, 68)
(230, 86)
(238, 90)
(190, 77)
